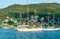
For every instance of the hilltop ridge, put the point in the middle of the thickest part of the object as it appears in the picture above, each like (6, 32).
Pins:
(40, 8)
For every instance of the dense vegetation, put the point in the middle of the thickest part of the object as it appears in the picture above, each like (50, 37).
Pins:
(41, 8)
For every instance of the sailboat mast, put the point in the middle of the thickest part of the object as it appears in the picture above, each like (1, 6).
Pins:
(58, 21)
(48, 19)
(20, 17)
(27, 11)
(53, 20)
(35, 16)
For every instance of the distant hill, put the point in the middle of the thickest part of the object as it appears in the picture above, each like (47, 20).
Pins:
(41, 8)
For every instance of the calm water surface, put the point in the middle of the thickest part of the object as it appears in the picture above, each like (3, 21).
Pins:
(14, 34)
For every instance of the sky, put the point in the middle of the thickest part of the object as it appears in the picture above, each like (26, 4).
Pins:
(6, 3)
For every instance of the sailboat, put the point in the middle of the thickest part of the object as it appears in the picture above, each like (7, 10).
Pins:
(22, 27)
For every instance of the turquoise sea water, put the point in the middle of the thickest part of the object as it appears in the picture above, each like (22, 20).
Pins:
(14, 34)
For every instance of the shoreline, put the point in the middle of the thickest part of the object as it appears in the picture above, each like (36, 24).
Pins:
(37, 29)
(32, 29)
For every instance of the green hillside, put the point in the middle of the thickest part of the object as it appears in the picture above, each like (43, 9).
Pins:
(41, 8)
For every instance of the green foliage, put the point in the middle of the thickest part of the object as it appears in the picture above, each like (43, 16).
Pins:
(42, 8)
(10, 22)
(14, 15)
